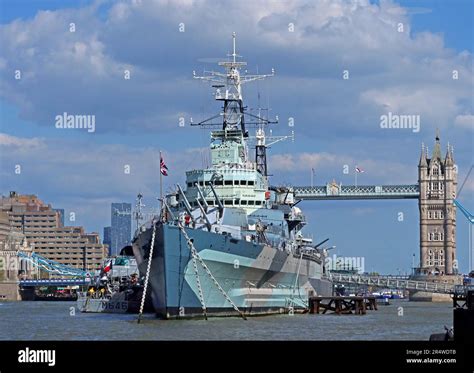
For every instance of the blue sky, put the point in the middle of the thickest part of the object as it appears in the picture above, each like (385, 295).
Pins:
(336, 120)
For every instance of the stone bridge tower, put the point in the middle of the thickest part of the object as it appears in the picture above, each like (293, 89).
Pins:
(437, 180)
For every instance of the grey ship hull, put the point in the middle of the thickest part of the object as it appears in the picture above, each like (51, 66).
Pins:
(258, 278)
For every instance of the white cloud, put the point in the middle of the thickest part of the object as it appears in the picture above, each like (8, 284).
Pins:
(330, 166)
(86, 177)
(465, 121)
(20, 144)
(83, 71)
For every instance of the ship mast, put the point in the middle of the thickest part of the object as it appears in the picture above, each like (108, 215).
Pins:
(228, 87)
(229, 90)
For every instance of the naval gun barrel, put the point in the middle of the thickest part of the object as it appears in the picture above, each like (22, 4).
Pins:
(319, 244)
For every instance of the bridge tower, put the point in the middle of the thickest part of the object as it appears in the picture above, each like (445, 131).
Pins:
(437, 179)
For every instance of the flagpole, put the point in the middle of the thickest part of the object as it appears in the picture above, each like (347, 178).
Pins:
(312, 175)
(161, 188)
(355, 174)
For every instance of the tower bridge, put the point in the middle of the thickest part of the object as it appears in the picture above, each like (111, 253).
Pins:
(435, 191)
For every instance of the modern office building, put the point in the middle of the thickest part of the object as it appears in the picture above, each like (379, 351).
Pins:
(121, 228)
(42, 227)
(107, 237)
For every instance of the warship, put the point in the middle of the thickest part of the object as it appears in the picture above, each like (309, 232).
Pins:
(228, 243)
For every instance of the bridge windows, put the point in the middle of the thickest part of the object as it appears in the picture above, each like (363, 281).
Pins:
(435, 236)
(435, 214)
(430, 257)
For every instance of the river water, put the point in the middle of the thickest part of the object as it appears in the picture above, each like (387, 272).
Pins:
(56, 321)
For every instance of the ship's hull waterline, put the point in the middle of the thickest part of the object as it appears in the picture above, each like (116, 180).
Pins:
(259, 279)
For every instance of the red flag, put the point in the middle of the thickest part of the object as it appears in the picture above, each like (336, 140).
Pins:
(108, 267)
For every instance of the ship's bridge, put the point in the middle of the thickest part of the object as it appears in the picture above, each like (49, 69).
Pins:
(236, 185)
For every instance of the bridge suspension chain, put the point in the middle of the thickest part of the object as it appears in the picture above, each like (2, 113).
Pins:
(195, 255)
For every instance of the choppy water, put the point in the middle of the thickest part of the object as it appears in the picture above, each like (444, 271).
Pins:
(52, 320)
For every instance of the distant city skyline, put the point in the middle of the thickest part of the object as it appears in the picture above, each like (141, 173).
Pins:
(121, 226)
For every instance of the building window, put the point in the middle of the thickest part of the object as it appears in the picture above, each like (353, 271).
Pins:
(430, 215)
(228, 202)
(243, 182)
(435, 170)
(228, 182)
(251, 182)
(243, 202)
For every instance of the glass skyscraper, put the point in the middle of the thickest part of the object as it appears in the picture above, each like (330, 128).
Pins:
(108, 238)
(121, 228)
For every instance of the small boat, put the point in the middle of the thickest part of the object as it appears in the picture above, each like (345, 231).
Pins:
(115, 289)
(383, 301)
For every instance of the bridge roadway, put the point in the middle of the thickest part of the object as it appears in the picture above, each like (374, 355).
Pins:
(334, 191)
(54, 282)
(393, 282)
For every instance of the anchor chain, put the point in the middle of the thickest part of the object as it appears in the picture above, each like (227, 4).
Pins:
(147, 275)
(204, 266)
(198, 282)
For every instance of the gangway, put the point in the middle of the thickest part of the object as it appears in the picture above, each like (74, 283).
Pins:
(393, 282)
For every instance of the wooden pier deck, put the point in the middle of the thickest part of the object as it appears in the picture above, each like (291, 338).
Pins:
(342, 305)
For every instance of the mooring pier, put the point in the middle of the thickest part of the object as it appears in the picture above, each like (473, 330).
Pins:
(342, 305)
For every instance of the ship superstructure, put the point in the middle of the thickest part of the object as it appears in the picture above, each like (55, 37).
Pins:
(228, 242)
